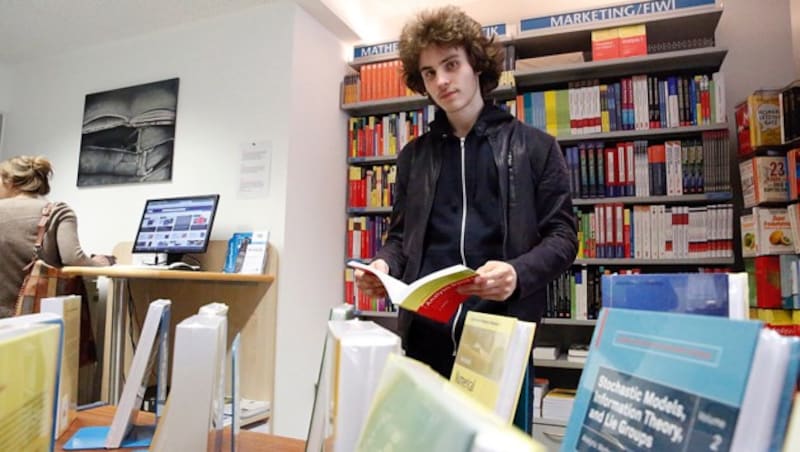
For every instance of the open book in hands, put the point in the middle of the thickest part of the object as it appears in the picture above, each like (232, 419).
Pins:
(434, 296)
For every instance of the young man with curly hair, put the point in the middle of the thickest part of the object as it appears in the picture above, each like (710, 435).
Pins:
(480, 189)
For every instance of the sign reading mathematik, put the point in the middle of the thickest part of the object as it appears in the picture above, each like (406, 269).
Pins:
(385, 50)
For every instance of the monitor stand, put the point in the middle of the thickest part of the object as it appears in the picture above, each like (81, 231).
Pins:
(174, 257)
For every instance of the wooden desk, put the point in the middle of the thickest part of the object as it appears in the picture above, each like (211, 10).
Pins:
(120, 277)
(248, 441)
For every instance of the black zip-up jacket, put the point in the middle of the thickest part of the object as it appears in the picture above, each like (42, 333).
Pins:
(539, 230)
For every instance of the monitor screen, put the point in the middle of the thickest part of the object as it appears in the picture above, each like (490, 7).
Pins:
(176, 225)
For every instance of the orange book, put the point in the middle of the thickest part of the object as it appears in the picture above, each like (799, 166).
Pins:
(605, 44)
(632, 40)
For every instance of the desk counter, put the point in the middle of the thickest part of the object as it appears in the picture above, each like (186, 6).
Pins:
(248, 441)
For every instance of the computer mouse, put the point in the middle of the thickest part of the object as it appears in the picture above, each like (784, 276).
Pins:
(182, 266)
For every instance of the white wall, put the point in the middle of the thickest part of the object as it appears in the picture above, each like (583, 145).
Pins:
(268, 73)
(5, 85)
(759, 55)
(795, 14)
(311, 273)
(5, 90)
(233, 76)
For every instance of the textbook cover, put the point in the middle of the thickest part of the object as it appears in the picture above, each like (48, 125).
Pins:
(434, 296)
(491, 360)
(30, 353)
(663, 381)
(717, 294)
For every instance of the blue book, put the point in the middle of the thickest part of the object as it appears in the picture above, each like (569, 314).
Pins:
(662, 381)
(688, 293)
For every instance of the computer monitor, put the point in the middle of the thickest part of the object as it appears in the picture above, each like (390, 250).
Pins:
(176, 226)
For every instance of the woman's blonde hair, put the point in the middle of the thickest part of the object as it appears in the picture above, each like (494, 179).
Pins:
(27, 174)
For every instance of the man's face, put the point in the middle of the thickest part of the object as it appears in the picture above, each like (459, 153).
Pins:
(449, 78)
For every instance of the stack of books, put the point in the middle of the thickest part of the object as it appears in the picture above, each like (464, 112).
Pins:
(557, 404)
(546, 351)
(577, 353)
(540, 388)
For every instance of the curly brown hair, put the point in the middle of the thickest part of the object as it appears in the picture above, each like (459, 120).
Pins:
(449, 27)
(27, 174)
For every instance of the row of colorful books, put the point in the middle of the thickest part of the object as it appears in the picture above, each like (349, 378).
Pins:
(386, 135)
(658, 231)
(365, 235)
(640, 102)
(649, 168)
(371, 186)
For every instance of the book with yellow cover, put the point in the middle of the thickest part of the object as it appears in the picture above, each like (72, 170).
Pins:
(69, 309)
(491, 360)
(415, 409)
(434, 296)
(29, 364)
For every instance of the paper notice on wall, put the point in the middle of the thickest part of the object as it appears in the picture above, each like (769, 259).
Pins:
(254, 170)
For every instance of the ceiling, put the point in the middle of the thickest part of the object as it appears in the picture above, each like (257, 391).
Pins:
(36, 28)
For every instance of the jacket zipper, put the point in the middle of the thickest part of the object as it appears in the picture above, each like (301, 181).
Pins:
(463, 231)
(453, 329)
(463, 202)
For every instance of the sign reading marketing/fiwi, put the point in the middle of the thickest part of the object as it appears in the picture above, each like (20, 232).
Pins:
(599, 15)
(391, 48)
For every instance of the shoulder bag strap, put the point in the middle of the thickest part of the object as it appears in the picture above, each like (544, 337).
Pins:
(41, 229)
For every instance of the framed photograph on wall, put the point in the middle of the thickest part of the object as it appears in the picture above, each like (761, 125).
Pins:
(128, 135)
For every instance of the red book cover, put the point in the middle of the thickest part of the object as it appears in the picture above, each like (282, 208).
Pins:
(605, 44)
(768, 282)
(743, 129)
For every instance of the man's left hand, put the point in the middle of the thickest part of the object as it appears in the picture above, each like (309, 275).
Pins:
(496, 281)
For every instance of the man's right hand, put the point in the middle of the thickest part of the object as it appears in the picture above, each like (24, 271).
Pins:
(368, 283)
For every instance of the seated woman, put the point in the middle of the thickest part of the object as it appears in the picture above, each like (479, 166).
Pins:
(24, 181)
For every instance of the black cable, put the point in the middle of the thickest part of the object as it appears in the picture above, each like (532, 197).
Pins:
(196, 260)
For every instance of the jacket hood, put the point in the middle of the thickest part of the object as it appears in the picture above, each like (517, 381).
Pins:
(490, 117)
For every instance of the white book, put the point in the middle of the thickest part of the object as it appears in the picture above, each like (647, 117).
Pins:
(255, 257)
(358, 353)
(69, 309)
(218, 402)
(719, 95)
(756, 422)
(199, 348)
(132, 393)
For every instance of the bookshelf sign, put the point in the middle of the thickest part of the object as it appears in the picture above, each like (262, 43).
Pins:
(389, 48)
(385, 48)
(600, 15)
(498, 30)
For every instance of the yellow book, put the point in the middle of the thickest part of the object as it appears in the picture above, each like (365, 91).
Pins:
(29, 354)
(415, 409)
(551, 112)
(69, 309)
(491, 360)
